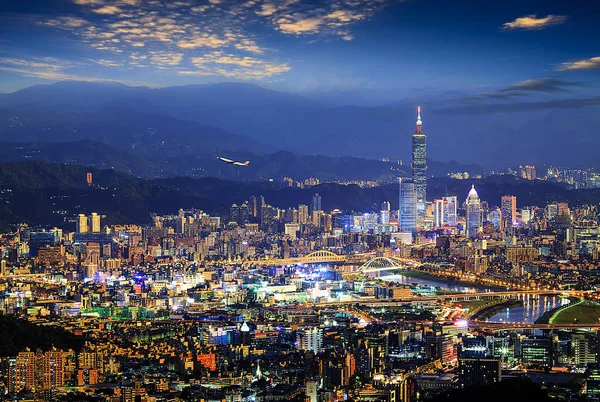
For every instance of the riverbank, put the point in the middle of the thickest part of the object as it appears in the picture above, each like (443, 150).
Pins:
(485, 312)
(445, 279)
(547, 316)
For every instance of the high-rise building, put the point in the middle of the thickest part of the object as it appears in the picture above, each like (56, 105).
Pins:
(474, 223)
(311, 391)
(315, 204)
(478, 371)
(303, 214)
(407, 211)
(89, 178)
(584, 349)
(94, 223)
(310, 339)
(537, 351)
(444, 211)
(508, 207)
(419, 165)
(81, 224)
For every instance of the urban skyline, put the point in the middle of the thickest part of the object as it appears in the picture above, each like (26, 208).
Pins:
(222, 200)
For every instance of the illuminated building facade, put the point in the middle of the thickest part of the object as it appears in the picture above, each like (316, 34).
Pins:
(419, 165)
(474, 224)
(407, 211)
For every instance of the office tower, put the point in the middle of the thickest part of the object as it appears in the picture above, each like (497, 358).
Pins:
(385, 217)
(591, 385)
(245, 334)
(81, 224)
(303, 214)
(407, 211)
(478, 371)
(473, 214)
(584, 349)
(234, 213)
(315, 204)
(419, 165)
(363, 357)
(536, 351)
(451, 210)
(495, 216)
(244, 214)
(444, 211)
(311, 391)
(508, 207)
(94, 224)
(310, 339)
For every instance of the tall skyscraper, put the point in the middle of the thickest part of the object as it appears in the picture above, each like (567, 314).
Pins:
(94, 223)
(444, 211)
(508, 207)
(315, 205)
(419, 165)
(478, 371)
(310, 339)
(81, 224)
(407, 211)
(473, 213)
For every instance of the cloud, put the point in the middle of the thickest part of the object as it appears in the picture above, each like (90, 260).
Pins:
(547, 84)
(232, 66)
(592, 63)
(50, 68)
(301, 26)
(170, 35)
(329, 18)
(65, 22)
(89, 2)
(165, 59)
(532, 23)
(107, 10)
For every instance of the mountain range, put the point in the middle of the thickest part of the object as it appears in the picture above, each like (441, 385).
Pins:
(194, 119)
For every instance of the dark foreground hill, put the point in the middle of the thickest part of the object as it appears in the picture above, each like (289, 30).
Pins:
(52, 194)
(18, 334)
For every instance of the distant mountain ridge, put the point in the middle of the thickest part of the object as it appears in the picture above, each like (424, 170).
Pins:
(275, 165)
(52, 194)
(457, 127)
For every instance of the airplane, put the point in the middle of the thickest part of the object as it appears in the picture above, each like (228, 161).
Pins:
(232, 162)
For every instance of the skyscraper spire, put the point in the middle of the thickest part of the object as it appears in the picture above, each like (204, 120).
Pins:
(419, 167)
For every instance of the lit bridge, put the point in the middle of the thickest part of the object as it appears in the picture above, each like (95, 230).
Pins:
(379, 264)
(368, 262)
(508, 326)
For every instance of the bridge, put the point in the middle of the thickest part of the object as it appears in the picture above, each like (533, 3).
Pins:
(511, 326)
(316, 257)
(379, 264)
(369, 261)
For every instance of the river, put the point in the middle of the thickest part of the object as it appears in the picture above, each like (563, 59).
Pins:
(533, 306)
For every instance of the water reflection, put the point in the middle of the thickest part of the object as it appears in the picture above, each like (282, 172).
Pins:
(432, 283)
(534, 306)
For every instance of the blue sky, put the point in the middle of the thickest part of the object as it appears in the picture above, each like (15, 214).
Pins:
(530, 50)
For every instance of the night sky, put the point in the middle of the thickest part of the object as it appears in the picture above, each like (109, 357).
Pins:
(385, 49)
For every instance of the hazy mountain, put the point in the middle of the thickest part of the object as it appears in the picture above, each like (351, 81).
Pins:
(262, 167)
(144, 133)
(459, 127)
